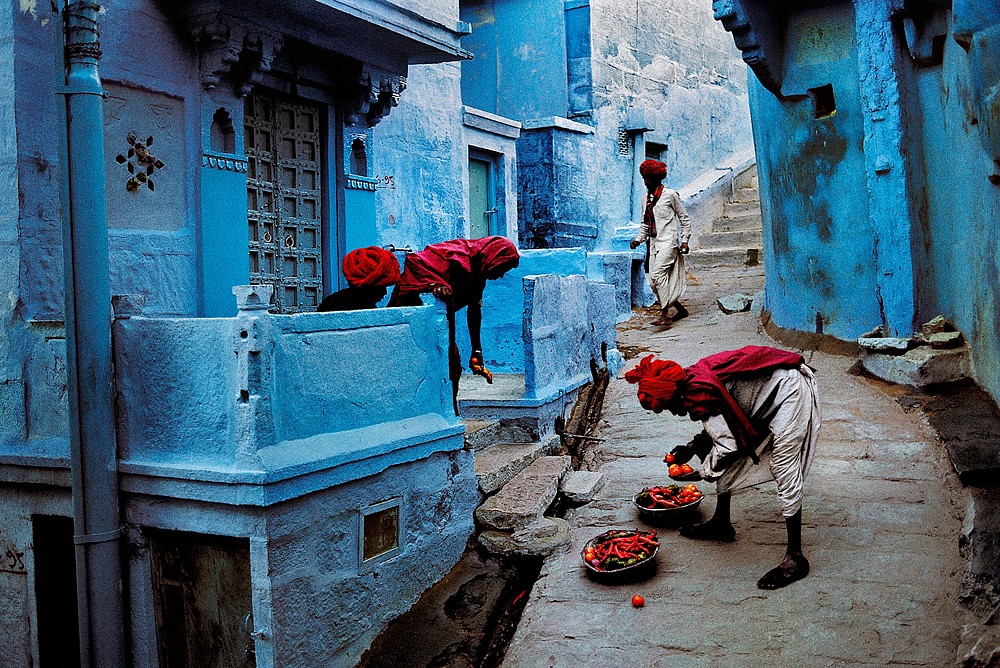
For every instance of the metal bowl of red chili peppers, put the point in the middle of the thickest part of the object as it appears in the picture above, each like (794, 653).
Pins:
(620, 554)
(667, 500)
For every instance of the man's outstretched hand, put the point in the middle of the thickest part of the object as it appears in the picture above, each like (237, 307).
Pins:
(682, 454)
(634, 244)
(478, 368)
(442, 292)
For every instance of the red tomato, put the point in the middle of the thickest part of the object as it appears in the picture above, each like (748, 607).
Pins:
(669, 458)
(638, 601)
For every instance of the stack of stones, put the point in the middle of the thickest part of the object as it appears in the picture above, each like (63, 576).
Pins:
(937, 354)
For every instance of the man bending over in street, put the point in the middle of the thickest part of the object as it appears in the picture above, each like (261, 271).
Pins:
(668, 244)
(761, 416)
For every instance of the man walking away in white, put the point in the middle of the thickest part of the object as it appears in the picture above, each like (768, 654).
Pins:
(667, 229)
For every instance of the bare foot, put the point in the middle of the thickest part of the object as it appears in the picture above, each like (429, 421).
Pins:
(791, 568)
(722, 532)
(664, 321)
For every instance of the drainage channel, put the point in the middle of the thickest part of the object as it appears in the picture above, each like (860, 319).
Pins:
(469, 618)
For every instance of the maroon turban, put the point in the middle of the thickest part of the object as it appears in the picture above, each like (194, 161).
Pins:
(657, 381)
(371, 267)
(653, 169)
(458, 264)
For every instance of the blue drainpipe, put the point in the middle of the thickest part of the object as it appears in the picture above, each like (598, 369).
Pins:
(93, 451)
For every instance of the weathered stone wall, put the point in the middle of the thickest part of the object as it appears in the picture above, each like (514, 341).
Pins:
(327, 606)
(675, 62)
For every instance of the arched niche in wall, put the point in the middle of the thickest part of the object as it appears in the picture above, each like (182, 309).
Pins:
(222, 137)
(359, 157)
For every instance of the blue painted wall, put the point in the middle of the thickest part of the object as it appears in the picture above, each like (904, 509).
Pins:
(419, 159)
(819, 242)
(962, 260)
(885, 212)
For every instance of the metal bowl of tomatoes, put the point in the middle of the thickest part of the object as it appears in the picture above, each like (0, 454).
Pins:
(659, 501)
(622, 555)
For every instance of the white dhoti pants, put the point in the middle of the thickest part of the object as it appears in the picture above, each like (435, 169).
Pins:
(667, 275)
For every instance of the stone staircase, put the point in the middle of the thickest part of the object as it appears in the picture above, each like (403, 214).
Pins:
(520, 482)
(735, 238)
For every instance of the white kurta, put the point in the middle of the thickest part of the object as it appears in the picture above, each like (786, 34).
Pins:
(667, 275)
(787, 401)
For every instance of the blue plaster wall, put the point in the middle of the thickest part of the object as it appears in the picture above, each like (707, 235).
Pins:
(818, 240)
(963, 253)
(419, 157)
(157, 259)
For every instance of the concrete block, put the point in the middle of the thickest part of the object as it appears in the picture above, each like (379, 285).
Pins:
(920, 366)
(497, 464)
(581, 486)
(525, 498)
(736, 303)
(885, 344)
(539, 539)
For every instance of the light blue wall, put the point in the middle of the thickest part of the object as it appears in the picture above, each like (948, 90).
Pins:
(419, 156)
(819, 244)
(885, 213)
(962, 262)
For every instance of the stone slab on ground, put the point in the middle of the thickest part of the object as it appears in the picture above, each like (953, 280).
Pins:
(885, 344)
(525, 498)
(538, 540)
(499, 463)
(920, 367)
(581, 486)
(736, 303)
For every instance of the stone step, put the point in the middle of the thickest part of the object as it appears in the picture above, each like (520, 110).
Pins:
(747, 179)
(524, 499)
(733, 209)
(725, 257)
(748, 221)
(481, 433)
(538, 539)
(497, 464)
(582, 486)
(747, 194)
(742, 239)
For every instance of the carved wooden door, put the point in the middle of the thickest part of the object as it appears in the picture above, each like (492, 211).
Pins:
(282, 141)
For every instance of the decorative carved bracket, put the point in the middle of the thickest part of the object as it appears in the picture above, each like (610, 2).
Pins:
(756, 33)
(377, 93)
(233, 50)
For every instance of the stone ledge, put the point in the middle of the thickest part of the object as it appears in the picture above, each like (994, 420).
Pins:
(526, 497)
(498, 464)
(490, 123)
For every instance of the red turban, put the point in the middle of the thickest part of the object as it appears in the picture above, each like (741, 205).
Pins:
(371, 267)
(653, 168)
(657, 381)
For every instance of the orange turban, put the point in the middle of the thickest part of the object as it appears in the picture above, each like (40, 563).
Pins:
(657, 381)
(653, 168)
(371, 267)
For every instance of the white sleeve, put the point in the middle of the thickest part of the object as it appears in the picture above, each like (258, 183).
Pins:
(723, 445)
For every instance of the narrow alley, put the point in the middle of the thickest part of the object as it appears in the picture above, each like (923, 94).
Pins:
(882, 516)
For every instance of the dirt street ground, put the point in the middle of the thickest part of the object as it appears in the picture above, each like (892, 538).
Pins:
(882, 516)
